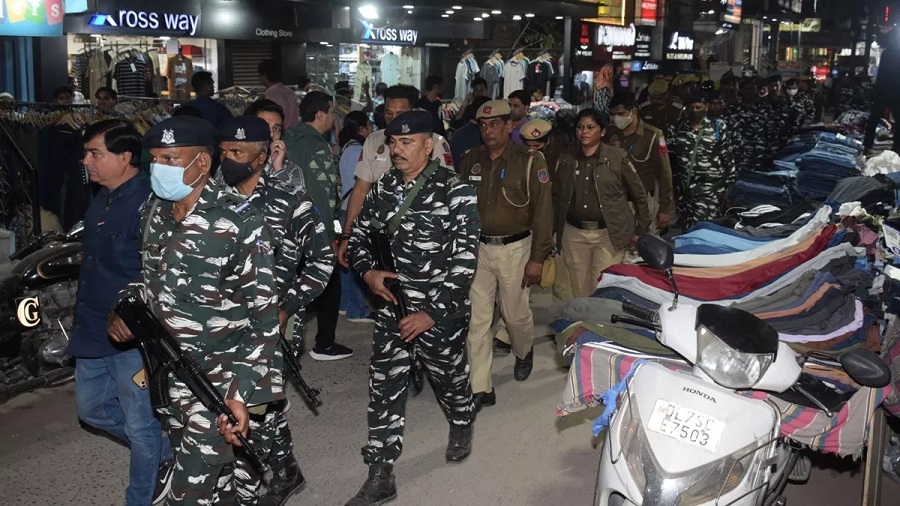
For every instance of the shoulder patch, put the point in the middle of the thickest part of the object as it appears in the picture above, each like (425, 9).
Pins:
(663, 147)
(448, 158)
(543, 176)
(243, 209)
(453, 181)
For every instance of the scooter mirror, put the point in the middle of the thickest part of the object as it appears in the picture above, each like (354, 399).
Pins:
(75, 231)
(656, 252)
(866, 368)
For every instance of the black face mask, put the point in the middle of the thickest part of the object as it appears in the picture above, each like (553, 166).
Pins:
(235, 173)
(697, 116)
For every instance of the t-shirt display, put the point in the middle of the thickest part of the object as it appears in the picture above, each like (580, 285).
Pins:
(179, 71)
(514, 74)
(132, 76)
(390, 69)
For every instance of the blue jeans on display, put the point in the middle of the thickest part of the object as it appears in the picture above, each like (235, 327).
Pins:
(353, 288)
(108, 399)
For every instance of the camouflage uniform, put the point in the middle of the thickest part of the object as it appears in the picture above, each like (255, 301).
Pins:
(297, 234)
(434, 251)
(290, 173)
(760, 128)
(209, 279)
(705, 161)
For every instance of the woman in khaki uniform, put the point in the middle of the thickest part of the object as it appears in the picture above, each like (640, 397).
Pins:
(594, 223)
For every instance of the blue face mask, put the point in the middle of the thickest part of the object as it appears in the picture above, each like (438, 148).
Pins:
(168, 181)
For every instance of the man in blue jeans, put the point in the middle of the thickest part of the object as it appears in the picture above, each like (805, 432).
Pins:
(111, 388)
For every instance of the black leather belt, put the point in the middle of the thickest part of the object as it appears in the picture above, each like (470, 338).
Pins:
(503, 240)
(587, 225)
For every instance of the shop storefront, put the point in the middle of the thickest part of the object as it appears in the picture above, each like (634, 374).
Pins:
(20, 23)
(628, 48)
(144, 48)
(389, 53)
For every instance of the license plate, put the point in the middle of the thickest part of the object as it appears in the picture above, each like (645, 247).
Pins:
(686, 425)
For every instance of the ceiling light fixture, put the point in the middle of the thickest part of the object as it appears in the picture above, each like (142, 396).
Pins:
(485, 14)
(409, 6)
(409, 12)
(368, 11)
(478, 19)
(450, 12)
(529, 15)
(323, 43)
(496, 13)
(517, 17)
(559, 17)
(457, 7)
(445, 15)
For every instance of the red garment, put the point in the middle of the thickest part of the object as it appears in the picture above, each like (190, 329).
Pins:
(726, 287)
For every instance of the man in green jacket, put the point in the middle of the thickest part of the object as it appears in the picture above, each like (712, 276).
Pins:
(307, 147)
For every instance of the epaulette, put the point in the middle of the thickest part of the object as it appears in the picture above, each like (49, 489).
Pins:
(453, 180)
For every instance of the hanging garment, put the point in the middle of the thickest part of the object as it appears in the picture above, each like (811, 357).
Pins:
(131, 77)
(462, 80)
(179, 72)
(492, 72)
(363, 75)
(390, 69)
(514, 74)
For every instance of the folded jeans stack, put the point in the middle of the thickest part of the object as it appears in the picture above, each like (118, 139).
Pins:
(778, 188)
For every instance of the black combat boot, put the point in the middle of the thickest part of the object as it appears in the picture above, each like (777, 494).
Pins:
(460, 445)
(378, 489)
(287, 480)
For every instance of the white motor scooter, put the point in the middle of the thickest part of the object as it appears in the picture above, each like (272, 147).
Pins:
(681, 438)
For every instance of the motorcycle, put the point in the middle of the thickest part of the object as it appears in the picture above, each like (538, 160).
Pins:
(687, 438)
(37, 307)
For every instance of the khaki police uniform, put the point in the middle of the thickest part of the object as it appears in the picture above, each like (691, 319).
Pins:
(375, 158)
(515, 205)
(647, 150)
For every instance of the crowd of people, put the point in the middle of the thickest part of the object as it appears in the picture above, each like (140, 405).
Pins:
(245, 222)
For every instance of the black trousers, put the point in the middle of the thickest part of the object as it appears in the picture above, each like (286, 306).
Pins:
(327, 307)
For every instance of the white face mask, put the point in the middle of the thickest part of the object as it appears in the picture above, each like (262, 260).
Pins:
(622, 122)
(791, 91)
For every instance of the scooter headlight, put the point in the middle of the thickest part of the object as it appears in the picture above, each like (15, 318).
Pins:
(727, 366)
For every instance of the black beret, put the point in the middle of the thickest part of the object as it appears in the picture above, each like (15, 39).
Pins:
(244, 129)
(694, 97)
(181, 131)
(412, 122)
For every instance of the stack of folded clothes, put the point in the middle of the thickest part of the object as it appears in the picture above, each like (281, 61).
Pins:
(822, 160)
(778, 187)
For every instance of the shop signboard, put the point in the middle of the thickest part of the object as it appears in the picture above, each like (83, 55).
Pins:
(200, 19)
(679, 45)
(584, 46)
(387, 35)
(647, 10)
(807, 25)
(32, 18)
(643, 43)
(615, 42)
(732, 11)
(645, 66)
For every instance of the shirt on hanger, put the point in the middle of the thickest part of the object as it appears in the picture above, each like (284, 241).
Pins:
(179, 71)
(363, 74)
(513, 77)
(131, 77)
(390, 69)
(462, 79)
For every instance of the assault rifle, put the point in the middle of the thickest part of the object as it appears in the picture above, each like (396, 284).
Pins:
(385, 260)
(163, 355)
(311, 395)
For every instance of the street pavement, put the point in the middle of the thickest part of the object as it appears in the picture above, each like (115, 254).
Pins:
(523, 454)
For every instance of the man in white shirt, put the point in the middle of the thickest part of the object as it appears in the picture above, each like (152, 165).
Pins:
(376, 159)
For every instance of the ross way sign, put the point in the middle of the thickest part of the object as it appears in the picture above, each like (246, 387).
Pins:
(388, 35)
(144, 20)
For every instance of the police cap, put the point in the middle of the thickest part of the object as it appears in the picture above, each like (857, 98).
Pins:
(682, 79)
(493, 109)
(181, 131)
(535, 129)
(658, 87)
(244, 129)
(417, 121)
(695, 97)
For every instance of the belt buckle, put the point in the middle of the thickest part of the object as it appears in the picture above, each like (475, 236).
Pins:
(491, 240)
(590, 225)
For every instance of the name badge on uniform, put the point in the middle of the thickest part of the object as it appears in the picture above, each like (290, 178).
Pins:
(380, 158)
(474, 178)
